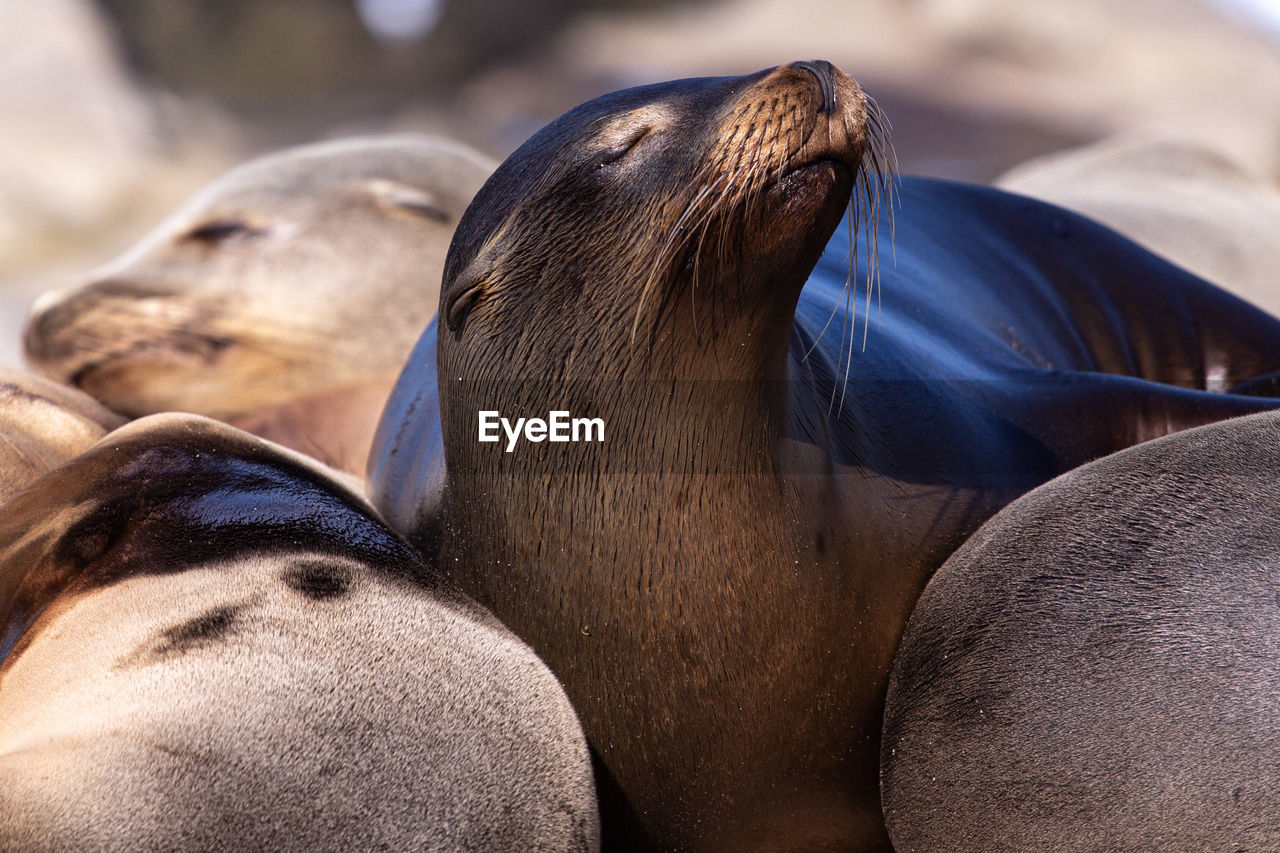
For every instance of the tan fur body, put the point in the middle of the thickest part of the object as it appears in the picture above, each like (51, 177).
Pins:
(42, 425)
(1179, 199)
(208, 643)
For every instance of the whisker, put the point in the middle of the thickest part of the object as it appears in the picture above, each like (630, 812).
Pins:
(752, 155)
(666, 251)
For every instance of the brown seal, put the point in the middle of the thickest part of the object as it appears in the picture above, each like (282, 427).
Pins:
(283, 297)
(721, 583)
(207, 642)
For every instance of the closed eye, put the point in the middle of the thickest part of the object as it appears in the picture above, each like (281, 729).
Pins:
(613, 155)
(220, 231)
(400, 198)
(424, 208)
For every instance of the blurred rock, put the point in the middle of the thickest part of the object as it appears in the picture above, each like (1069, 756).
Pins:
(973, 86)
(251, 55)
(87, 158)
(1083, 68)
(76, 134)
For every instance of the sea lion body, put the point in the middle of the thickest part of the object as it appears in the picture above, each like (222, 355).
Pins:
(721, 584)
(1097, 667)
(208, 643)
(1187, 202)
(42, 425)
(305, 274)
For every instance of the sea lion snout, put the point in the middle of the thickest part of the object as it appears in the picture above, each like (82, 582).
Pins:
(821, 69)
(286, 294)
(49, 339)
(43, 341)
(67, 329)
(836, 126)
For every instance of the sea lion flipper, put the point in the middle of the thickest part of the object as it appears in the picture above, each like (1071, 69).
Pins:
(406, 470)
(1265, 385)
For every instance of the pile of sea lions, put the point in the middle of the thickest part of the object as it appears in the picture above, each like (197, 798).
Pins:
(930, 516)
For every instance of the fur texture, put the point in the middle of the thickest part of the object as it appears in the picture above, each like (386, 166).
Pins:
(209, 643)
(283, 297)
(1096, 669)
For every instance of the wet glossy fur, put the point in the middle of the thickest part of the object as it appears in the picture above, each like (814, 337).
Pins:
(209, 643)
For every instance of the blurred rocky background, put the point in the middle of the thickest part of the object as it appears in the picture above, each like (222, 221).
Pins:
(113, 111)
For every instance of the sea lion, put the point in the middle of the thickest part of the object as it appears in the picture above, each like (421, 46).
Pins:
(1180, 199)
(209, 643)
(42, 425)
(721, 583)
(284, 296)
(1096, 669)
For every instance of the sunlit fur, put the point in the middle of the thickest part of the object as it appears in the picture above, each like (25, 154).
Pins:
(755, 145)
(642, 253)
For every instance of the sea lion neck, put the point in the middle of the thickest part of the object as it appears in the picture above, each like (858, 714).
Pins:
(638, 264)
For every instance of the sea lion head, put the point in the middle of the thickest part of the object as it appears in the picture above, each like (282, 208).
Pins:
(670, 219)
(301, 270)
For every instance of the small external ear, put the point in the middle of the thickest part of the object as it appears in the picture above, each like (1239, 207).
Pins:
(469, 286)
(460, 302)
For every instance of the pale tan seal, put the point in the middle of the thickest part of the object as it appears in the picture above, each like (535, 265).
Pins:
(208, 643)
(304, 274)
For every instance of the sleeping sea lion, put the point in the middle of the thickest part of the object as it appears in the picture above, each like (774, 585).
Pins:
(1098, 668)
(206, 642)
(284, 296)
(721, 582)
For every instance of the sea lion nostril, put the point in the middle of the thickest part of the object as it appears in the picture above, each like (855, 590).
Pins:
(821, 69)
